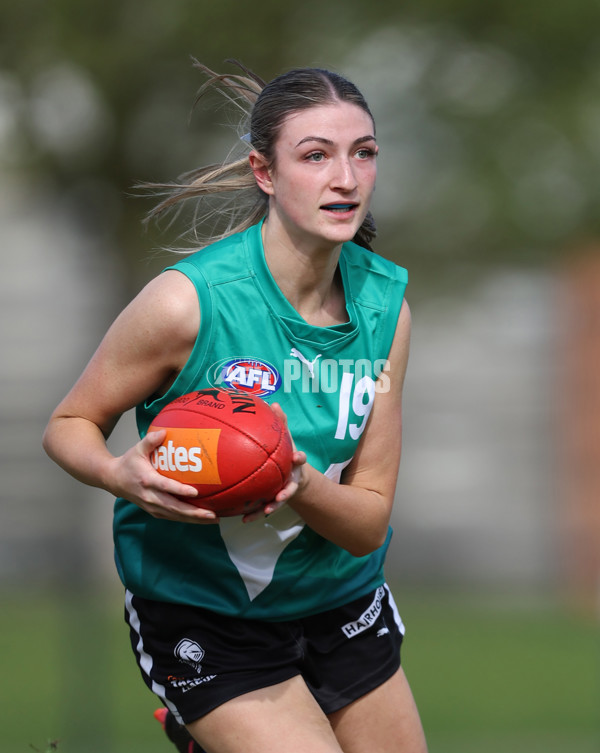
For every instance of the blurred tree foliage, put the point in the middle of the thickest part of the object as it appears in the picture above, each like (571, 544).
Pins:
(489, 112)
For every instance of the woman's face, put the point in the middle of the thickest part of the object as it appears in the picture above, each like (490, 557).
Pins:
(323, 175)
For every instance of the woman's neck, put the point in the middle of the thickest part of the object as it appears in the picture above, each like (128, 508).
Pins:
(308, 276)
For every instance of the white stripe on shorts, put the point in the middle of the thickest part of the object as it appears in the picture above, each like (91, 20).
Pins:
(397, 618)
(146, 660)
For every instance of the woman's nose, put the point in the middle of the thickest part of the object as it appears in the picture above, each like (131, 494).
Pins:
(344, 176)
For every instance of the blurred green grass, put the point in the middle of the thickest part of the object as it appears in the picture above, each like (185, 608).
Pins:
(495, 674)
(503, 673)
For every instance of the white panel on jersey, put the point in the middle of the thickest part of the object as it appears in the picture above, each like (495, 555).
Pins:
(334, 472)
(256, 556)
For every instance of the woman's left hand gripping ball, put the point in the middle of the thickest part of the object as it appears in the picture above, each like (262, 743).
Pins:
(295, 481)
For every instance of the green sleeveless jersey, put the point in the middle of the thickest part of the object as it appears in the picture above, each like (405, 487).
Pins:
(251, 339)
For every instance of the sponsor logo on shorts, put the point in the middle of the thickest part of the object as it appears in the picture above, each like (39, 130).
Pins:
(184, 685)
(190, 652)
(367, 618)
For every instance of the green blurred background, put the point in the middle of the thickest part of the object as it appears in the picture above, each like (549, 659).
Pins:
(488, 120)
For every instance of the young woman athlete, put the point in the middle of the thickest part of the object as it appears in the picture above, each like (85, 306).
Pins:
(277, 631)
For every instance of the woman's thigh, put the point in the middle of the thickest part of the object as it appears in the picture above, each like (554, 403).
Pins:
(283, 718)
(286, 718)
(385, 720)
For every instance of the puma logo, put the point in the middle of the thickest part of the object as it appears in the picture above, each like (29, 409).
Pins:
(310, 365)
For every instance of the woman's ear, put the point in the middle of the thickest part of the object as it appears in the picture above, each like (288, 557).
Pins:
(262, 172)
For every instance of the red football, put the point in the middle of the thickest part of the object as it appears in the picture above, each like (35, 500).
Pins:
(229, 445)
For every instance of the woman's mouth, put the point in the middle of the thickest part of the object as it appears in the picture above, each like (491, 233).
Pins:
(339, 207)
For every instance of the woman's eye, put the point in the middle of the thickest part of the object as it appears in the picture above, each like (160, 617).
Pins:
(366, 153)
(315, 157)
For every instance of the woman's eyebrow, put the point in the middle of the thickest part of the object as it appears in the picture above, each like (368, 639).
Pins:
(329, 142)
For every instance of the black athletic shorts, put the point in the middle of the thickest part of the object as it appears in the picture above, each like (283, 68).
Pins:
(194, 660)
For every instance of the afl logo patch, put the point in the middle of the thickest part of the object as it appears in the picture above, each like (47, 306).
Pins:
(249, 375)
